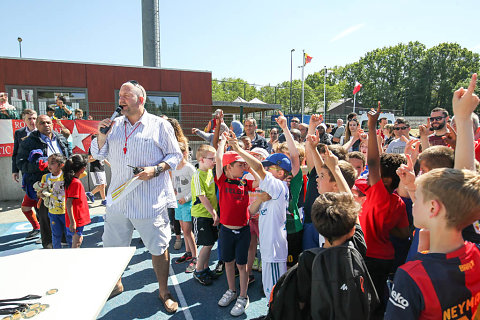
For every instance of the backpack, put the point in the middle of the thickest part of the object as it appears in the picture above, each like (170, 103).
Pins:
(341, 285)
(284, 299)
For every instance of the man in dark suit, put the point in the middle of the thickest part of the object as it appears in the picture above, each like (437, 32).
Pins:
(29, 117)
(34, 150)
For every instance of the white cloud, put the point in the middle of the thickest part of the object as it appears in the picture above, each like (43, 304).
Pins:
(347, 31)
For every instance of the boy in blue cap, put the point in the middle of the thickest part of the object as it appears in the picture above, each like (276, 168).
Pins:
(273, 209)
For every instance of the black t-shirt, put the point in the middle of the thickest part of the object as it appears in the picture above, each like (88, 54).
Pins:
(312, 194)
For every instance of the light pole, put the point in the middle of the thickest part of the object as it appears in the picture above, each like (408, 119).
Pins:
(20, 45)
(325, 93)
(291, 71)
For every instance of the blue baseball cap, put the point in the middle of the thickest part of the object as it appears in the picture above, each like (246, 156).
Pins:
(280, 160)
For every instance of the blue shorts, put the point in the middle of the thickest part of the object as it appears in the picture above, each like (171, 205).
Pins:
(182, 213)
(234, 244)
(78, 231)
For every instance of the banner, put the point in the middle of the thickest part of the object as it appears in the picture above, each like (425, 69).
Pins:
(80, 130)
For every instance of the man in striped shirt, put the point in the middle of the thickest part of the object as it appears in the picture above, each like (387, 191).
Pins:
(142, 140)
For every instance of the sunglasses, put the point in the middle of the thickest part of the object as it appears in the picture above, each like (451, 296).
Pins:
(296, 121)
(136, 84)
(400, 128)
(436, 118)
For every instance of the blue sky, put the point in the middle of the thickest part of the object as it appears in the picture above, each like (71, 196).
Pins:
(246, 39)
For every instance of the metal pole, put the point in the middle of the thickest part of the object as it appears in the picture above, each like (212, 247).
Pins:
(303, 86)
(20, 45)
(324, 93)
(291, 72)
(354, 102)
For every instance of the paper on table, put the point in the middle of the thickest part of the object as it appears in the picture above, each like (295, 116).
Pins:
(124, 189)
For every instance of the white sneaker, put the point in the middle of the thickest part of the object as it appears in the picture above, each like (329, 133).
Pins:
(240, 306)
(39, 241)
(227, 298)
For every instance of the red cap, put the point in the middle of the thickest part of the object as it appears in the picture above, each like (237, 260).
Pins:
(231, 156)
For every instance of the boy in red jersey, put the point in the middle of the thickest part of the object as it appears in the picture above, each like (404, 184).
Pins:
(445, 282)
(383, 212)
(234, 231)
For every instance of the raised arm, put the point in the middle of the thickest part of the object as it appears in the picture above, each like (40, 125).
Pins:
(253, 162)
(312, 142)
(216, 133)
(464, 103)
(332, 164)
(292, 148)
(219, 155)
(373, 156)
(315, 121)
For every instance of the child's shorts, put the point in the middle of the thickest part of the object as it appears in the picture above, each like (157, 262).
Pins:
(98, 178)
(294, 247)
(182, 213)
(254, 227)
(234, 244)
(271, 272)
(78, 231)
(205, 233)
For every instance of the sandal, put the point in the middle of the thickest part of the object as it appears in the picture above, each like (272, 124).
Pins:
(173, 304)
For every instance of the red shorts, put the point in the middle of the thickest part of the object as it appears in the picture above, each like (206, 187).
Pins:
(28, 202)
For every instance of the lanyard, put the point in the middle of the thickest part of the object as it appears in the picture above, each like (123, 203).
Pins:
(126, 137)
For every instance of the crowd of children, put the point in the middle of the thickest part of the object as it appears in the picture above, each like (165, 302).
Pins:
(359, 231)
(345, 217)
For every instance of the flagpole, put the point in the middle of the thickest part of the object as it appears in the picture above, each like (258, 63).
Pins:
(354, 102)
(303, 83)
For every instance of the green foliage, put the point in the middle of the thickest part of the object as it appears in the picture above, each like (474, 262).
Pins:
(407, 77)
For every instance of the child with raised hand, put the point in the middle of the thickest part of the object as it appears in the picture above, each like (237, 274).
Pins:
(273, 236)
(56, 204)
(182, 179)
(335, 216)
(77, 212)
(445, 282)
(383, 212)
(294, 224)
(234, 237)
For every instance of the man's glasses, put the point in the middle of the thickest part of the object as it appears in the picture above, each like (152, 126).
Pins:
(211, 159)
(136, 84)
(400, 128)
(436, 118)
(296, 121)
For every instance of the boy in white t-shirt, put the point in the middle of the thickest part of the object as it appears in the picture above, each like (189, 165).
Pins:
(273, 211)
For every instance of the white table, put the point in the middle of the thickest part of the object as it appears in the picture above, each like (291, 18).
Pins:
(84, 279)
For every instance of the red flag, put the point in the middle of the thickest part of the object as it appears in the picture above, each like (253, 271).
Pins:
(307, 59)
(357, 87)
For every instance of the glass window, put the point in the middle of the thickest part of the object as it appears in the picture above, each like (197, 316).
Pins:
(21, 99)
(161, 104)
(38, 98)
(46, 97)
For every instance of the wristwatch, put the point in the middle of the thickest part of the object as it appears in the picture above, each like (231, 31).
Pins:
(158, 170)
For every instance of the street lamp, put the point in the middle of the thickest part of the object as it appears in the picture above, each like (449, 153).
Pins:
(291, 71)
(20, 45)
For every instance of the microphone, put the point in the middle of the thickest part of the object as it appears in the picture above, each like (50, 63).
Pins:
(117, 112)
